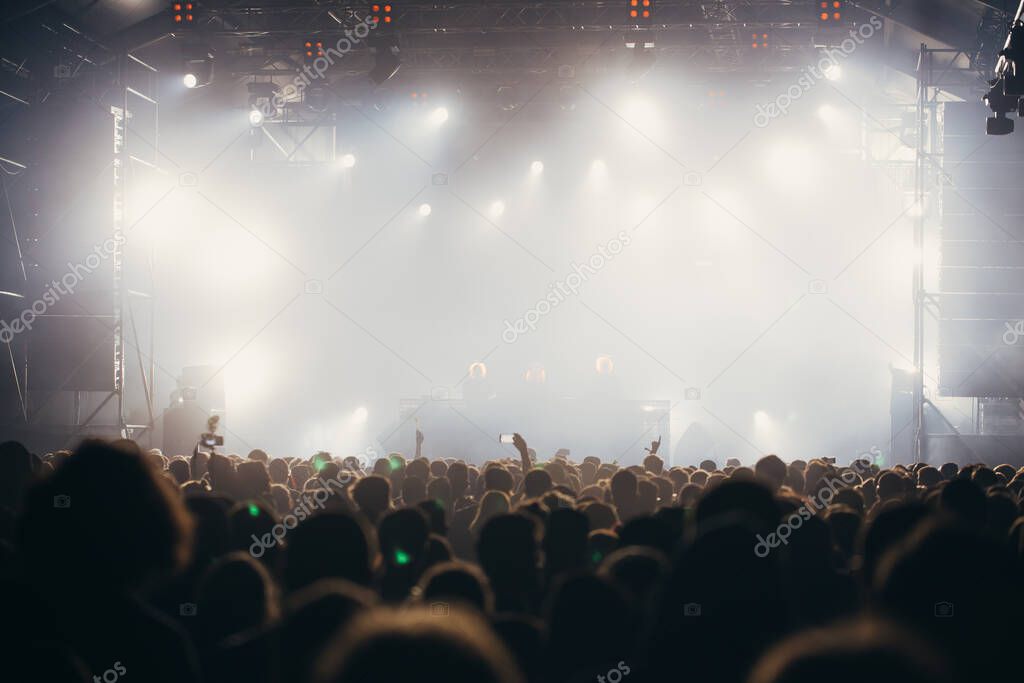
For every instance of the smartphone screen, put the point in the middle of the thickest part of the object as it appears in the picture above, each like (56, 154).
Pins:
(506, 438)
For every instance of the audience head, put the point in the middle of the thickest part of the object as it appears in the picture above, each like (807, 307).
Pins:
(654, 464)
(457, 582)
(404, 645)
(373, 496)
(235, 594)
(851, 653)
(772, 471)
(75, 533)
(537, 483)
(613, 558)
(330, 545)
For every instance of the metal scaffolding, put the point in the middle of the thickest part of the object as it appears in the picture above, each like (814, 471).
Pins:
(124, 319)
(939, 71)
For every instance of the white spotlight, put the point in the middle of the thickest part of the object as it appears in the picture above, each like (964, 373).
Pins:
(497, 208)
(439, 116)
(190, 80)
(827, 113)
(255, 117)
(640, 111)
(360, 415)
(598, 167)
(424, 210)
(537, 167)
(833, 72)
(347, 160)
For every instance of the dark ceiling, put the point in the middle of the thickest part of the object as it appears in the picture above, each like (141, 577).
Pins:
(37, 36)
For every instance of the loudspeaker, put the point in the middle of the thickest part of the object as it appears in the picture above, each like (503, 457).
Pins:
(981, 277)
(183, 423)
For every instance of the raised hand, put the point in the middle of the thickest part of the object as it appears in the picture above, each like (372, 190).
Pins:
(524, 454)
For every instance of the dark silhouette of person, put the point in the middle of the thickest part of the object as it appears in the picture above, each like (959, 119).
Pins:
(384, 646)
(330, 545)
(509, 553)
(851, 653)
(92, 536)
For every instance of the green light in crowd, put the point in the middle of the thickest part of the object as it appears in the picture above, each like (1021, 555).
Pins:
(596, 558)
(394, 464)
(401, 557)
(254, 510)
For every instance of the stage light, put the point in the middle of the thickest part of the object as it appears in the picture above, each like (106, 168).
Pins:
(497, 208)
(536, 375)
(347, 160)
(381, 14)
(640, 12)
(641, 112)
(716, 99)
(255, 118)
(263, 97)
(477, 370)
(311, 50)
(833, 72)
(828, 113)
(830, 10)
(603, 365)
(439, 116)
(759, 41)
(537, 167)
(598, 167)
(183, 13)
(766, 429)
(424, 210)
(360, 415)
(198, 69)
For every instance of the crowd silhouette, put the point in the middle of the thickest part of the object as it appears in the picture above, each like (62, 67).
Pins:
(119, 562)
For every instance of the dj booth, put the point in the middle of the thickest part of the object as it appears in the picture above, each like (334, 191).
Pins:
(613, 430)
